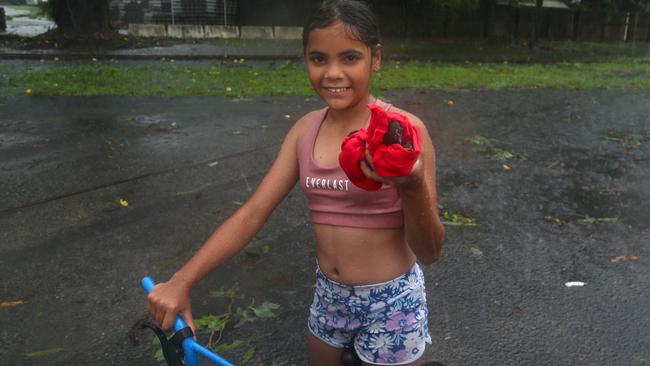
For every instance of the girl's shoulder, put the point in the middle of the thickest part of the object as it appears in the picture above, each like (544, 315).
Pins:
(302, 125)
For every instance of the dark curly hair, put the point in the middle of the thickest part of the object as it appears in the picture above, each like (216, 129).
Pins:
(358, 17)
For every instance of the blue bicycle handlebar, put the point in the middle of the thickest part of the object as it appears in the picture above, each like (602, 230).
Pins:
(190, 347)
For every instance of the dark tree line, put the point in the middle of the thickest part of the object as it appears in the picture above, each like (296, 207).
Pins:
(75, 17)
(79, 17)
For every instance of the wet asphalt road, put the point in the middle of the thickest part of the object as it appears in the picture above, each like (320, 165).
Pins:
(74, 256)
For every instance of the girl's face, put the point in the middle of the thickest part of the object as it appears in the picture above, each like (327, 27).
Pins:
(340, 67)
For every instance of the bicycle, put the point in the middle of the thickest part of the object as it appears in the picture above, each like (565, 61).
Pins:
(181, 349)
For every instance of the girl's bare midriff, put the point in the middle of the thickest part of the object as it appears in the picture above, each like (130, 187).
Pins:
(358, 256)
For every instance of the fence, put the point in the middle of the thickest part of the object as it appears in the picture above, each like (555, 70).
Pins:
(424, 20)
(196, 12)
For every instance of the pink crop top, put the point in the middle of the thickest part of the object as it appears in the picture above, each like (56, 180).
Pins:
(334, 200)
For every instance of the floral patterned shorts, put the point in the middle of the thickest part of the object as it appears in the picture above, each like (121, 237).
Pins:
(385, 322)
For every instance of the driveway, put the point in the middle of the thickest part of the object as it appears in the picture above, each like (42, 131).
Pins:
(99, 192)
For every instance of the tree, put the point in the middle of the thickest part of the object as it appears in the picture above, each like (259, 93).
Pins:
(539, 4)
(605, 5)
(80, 17)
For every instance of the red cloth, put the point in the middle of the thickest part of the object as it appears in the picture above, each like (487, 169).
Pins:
(390, 160)
(353, 150)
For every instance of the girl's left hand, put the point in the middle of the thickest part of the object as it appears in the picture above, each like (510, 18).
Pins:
(412, 181)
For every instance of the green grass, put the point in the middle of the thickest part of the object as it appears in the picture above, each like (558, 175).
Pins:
(486, 51)
(290, 79)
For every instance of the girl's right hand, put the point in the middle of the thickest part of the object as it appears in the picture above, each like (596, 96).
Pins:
(168, 299)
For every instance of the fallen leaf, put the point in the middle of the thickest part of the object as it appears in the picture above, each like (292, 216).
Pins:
(592, 220)
(223, 347)
(45, 352)
(499, 154)
(553, 219)
(287, 116)
(553, 164)
(457, 220)
(11, 304)
(248, 356)
(236, 203)
(124, 203)
(624, 258)
(265, 310)
(228, 89)
(476, 251)
(159, 355)
(29, 92)
(235, 132)
(480, 140)
(507, 167)
(449, 102)
(213, 164)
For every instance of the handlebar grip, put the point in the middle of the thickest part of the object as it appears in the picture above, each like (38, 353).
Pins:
(147, 284)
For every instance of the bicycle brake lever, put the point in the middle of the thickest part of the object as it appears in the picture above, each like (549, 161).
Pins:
(172, 348)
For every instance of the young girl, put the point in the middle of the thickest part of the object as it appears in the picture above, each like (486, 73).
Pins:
(369, 289)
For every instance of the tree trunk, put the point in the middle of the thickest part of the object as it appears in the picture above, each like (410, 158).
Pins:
(536, 16)
(82, 17)
(487, 10)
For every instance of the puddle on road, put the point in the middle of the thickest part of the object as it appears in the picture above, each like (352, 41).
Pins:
(595, 186)
(11, 140)
(19, 24)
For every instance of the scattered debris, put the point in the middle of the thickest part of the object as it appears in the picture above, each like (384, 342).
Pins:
(593, 220)
(248, 356)
(124, 203)
(479, 140)
(457, 220)
(553, 164)
(44, 353)
(555, 220)
(11, 304)
(624, 258)
(476, 251)
(574, 284)
(501, 155)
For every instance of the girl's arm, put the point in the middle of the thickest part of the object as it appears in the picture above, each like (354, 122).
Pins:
(425, 233)
(168, 299)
